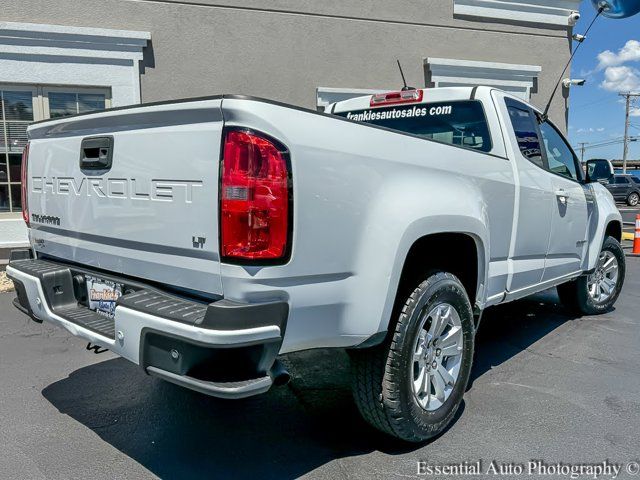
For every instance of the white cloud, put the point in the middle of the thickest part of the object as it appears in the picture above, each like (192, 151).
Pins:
(629, 53)
(634, 112)
(621, 79)
(590, 130)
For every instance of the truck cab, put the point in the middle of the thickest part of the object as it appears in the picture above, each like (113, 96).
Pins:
(549, 199)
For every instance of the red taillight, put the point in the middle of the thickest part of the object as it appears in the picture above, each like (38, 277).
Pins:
(394, 98)
(254, 206)
(23, 179)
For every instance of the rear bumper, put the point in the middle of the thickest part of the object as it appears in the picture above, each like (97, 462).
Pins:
(223, 349)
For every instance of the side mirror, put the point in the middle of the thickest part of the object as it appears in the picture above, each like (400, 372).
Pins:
(472, 142)
(617, 8)
(599, 170)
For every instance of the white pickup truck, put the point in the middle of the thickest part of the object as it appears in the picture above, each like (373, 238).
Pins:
(202, 238)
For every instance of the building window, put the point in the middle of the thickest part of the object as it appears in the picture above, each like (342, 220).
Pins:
(519, 80)
(62, 101)
(24, 104)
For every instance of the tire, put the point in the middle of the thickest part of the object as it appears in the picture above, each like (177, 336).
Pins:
(576, 295)
(383, 376)
(633, 199)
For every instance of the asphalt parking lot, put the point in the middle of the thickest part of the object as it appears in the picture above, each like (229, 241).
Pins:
(545, 386)
(628, 213)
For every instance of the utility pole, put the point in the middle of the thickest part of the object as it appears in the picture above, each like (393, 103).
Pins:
(625, 152)
(582, 148)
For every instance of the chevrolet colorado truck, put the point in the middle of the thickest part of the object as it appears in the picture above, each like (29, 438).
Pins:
(203, 238)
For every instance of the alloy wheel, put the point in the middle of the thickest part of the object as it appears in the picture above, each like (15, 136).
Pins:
(602, 282)
(437, 356)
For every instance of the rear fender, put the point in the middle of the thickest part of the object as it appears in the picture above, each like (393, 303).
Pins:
(415, 212)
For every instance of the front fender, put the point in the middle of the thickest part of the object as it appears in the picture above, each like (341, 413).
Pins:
(605, 212)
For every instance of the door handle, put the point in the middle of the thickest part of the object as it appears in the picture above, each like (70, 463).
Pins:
(562, 196)
(96, 153)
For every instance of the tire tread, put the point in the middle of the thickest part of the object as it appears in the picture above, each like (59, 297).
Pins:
(377, 377)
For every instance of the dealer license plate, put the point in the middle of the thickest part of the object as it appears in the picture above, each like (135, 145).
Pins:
(102, 295)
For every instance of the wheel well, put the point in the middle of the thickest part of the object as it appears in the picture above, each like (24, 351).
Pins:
(455, 253)
(614, 229)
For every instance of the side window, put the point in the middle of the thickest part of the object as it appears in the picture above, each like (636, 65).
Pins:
(560, 157)
(622, 180)
(524, 127)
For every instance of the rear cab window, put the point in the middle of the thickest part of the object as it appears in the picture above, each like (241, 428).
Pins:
(462, 122)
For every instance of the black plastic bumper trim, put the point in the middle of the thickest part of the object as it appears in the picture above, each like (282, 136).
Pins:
(231, 390)
(26, 311)
(230, 315)
(222, 314)
(20, 254)
(21, 302)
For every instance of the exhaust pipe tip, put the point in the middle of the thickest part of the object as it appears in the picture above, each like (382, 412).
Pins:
(279, 374)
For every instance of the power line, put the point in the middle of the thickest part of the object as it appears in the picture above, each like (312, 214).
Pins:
(612, 139)
(588, 104)
(588, 146)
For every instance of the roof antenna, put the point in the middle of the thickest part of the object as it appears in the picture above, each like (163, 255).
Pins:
(405, 88)
(545, 115)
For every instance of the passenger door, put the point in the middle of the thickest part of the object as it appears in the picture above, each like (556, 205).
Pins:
(568, 240)
(621, 188)
(533, 214)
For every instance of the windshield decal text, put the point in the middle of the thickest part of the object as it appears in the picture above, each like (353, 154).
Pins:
(397, 113)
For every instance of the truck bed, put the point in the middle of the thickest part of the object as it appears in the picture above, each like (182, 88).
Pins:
(153, 213)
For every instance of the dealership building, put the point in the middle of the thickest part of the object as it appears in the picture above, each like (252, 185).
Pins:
(66, 57)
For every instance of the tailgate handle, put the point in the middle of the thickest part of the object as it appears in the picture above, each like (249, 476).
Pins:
(96, 153)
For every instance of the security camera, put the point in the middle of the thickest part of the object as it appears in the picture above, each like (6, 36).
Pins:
(573, 82)
(579, 38)
(573, 18)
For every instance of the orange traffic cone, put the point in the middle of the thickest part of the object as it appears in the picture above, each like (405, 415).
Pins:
(636, 240)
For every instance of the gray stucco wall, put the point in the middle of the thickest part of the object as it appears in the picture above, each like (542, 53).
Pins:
(284, 49)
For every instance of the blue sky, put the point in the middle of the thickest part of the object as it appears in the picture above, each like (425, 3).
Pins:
(610, 62)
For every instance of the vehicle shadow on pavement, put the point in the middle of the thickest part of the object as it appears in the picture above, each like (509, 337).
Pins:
(177, 433)
(508, 329)
(290, 431)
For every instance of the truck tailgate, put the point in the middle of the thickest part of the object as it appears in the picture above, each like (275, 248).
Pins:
(151, 214)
